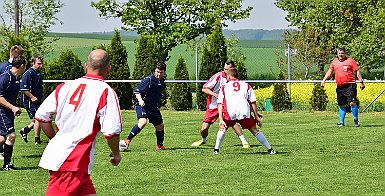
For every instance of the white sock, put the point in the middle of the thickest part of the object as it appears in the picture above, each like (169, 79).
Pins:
(243, 139)
(261, 138)
(204, 139)
(220, 137)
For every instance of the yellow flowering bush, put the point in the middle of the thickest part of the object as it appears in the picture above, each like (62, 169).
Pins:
(301, 93)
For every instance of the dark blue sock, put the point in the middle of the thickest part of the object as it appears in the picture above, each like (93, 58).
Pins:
(342, 112)
(159, 137)
(7, 154)
(355, 112)
(134, 131)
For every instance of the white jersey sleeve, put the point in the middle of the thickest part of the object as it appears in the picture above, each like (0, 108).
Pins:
(214, 84)
(47, 109)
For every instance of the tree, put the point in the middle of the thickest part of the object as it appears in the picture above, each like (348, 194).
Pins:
(36, 17)
(213, 57)
(205, 73)
(67, 67)
(356, 25)
(281, 99)
(172, 22)
(319, 99)
(312, 50)
(120, 71)
(146, 56)
(182, 98)
(11, 41)
(235, 54)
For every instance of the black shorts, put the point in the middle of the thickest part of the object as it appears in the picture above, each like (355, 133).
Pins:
(6, 122)
(31, 108)
(347, 94)
(153, 114)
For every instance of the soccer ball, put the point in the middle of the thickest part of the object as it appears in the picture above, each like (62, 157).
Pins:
(122, 146)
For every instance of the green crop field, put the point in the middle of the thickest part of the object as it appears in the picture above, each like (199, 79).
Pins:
(260, 56)
(315, 158)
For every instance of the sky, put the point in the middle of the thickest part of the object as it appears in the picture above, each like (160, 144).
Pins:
(79, 17)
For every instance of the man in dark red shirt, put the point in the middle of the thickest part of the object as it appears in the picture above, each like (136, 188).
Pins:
(344, 68)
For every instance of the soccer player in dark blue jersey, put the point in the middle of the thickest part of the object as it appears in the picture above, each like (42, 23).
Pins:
(9, 88)
(15, 51)
(147, 95)
(31, 87)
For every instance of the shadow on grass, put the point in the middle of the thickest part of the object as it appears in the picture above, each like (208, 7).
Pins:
(32, 156)
(27, 168)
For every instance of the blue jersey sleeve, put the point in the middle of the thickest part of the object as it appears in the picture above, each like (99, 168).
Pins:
(3, 84)
(143, 86)
(25, 83)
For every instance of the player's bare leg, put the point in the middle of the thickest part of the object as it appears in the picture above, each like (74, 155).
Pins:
(238, 131)
(204, 133)
(36, 129)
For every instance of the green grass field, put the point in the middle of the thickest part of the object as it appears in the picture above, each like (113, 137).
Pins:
(315, 158)
(260, 56)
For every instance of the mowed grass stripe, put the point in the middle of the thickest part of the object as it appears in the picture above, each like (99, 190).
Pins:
(315, 158)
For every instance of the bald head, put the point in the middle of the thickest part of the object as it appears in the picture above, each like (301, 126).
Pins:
(98, 62)
(98, 59)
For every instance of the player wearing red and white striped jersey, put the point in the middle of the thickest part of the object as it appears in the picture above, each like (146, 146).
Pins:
(211, 88)
(234, 102)
(83, 107)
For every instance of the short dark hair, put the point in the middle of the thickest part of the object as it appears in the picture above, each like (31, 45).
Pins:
(160, 65)
(18, 61)
(233, 72)
(231, 63)
(16, 51)
(37, 57)
(341, 49)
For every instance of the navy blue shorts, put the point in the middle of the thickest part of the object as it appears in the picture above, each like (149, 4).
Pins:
(31, 108)
(153, 114)
(346, 94)
(6, 122)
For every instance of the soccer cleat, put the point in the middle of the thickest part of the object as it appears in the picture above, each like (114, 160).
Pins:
(216, 151)
(2, 156)
(356, 123)
(24, 135)
(8, 167)
(271, 151)
(198, 143)
(246, 145)
(160, 147)
(340, 124)
(37, 141)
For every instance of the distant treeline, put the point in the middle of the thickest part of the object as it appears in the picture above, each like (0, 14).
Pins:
(243, 34)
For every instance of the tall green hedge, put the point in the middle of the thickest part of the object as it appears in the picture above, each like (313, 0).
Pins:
(120, 71)
(319, 99)
(281, 99)
(67, 67)
(181, 99)
(11, 41)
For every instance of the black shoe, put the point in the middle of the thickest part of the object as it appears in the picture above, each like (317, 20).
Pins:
(271, 151)
(356, 123)
(340, 124)
(24, 134)
(216, 151)
(8, 167)
(37, 141)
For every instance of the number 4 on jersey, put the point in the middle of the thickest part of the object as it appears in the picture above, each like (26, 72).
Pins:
(77, 96)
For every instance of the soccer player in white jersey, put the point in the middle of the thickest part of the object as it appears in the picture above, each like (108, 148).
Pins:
(211, 88)
(234, 101)
(83, 107)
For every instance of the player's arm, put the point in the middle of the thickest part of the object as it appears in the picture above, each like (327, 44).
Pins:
(140, 99)
(47, 129)
(142, 88)
(29, 94)
(113, 144)
(257, 115)
(209, 92)
(327, 76)
(359, 76)
(16, 110)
